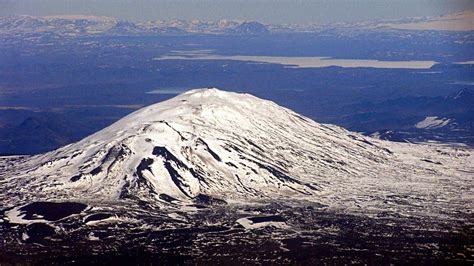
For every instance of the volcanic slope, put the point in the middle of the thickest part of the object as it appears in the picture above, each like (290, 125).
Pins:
(239, 148)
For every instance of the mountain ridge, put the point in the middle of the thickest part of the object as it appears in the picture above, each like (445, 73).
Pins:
(83, 25)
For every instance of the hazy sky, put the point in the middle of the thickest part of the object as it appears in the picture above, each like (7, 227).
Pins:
(267, 11)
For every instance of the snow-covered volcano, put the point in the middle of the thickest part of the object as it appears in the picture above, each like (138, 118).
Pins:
(238, 147)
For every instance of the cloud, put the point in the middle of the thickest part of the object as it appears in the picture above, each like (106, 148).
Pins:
(463, 21)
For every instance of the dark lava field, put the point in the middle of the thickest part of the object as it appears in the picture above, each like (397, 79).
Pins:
(212, 232)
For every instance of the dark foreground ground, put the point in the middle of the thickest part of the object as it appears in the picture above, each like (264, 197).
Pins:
(124, 234)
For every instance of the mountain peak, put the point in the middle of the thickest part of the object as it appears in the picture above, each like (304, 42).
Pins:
(251, 27)
(224, 145)
(208, 92)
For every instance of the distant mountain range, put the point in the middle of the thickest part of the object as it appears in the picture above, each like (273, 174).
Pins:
(78, 25)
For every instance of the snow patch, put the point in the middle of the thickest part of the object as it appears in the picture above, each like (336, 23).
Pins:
(15, 216)
(247, 223)
(432, 122)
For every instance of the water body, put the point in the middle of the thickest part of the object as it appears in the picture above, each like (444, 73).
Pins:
(471, 62)
(461, 82)
(303, 62)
